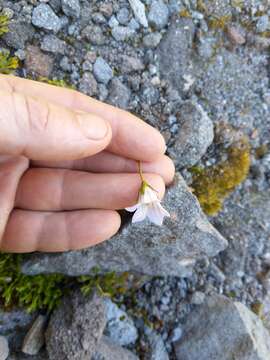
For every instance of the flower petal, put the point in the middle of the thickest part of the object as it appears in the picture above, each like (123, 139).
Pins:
(140, 214)
(132, 208)
(164, 211)
(156, 213)
(149, 196)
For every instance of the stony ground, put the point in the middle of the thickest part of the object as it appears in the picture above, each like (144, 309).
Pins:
(169, 61)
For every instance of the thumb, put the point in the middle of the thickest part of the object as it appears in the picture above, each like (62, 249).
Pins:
(42, 130)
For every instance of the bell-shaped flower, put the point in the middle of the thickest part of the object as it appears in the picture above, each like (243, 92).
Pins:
(148, 206)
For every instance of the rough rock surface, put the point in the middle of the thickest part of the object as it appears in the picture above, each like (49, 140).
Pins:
(75, 328)
(195, 134)
(120, 327)
(222, 329)
(108, 350)
(145, 248)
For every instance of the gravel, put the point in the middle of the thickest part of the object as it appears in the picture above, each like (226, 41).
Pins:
(44, 17)
(102, 71)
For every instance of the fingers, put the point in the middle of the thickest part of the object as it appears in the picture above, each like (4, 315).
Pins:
(42, 130)
(11, 170)
(131, 137)
(106, 162)
(41, 231)
(56, 190)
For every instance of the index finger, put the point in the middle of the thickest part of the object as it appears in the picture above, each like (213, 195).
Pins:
(131, 137)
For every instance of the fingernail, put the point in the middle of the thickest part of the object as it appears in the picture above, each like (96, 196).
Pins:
(94, 127)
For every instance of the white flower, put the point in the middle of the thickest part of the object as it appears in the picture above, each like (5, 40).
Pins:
(148, 206)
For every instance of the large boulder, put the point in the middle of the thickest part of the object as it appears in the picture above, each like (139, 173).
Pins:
(224, 330)
(144, 247)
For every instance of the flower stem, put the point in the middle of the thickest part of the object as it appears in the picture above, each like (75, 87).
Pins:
(140, 171)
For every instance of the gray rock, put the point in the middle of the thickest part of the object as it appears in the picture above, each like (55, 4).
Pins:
(53, 44)
(119, 94)
(129, 64)
(263, 24)
(37, 62)
(44, 17)
(102, 71)
(194, 136)
(197, 298)
(157, 347)
(108, 350)
(122, 33)
(138, 9)
(88, 84)
(152, 40)
(224, 330)
(123, 16)
(75, 328)
(178, 43)
(159, 14)
(4, 348)
(120, 328)
(145, 248)
(34, 339)
(94, 34)
(113, 22)
(19, 34)
(71, 8)
(150, 95)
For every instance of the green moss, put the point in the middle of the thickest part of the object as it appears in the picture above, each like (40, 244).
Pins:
(110, 284)
(4, 20)
(8, 63)
(31, 292)
(213, 184)
(56, 82)
(216, 23)
(44, 292)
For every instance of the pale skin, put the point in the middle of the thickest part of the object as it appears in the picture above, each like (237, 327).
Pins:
(67, 164)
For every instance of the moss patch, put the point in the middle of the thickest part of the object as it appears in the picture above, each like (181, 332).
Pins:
(213, 184)
(56, 82)
(8, 63)
(44, 292)
(4, 21)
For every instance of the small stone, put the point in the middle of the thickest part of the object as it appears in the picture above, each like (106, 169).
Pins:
(4, 348)
(235, 36)
(108, 350)
(34, 339)
(195, 134)
(152, 40)
(150, 95)
(94, 34)
(122, 33)
(19, 33)
(88, 84)
(123, 16)
(157, 347)
(75, 328)
(44, 17)
(158, 16)
(106, 9)
(113, 22)
(130, 64)
(119, 94)
(9, 13)
(37, 62)
(176, 334)
(197, 298)
(120, 328)
(102, 71)
(262, 24)
(20, 54)
(53, 44)
(138, 9)
(133, 24)
(98, 18)
(71, 8)
(102, 92)
(65, 64)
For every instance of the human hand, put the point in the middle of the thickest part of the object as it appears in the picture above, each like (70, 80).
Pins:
(67, 163)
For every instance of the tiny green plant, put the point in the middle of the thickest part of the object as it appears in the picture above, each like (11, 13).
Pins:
(4, 21)
(8, 63)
